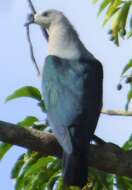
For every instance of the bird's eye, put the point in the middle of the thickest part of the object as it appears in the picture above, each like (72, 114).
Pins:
(45, 14)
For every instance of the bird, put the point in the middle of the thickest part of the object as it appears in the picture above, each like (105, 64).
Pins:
(72, 88)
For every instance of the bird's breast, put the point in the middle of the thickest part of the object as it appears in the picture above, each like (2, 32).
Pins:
(61, 44)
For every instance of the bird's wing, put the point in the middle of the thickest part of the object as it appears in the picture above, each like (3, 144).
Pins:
(63, 86)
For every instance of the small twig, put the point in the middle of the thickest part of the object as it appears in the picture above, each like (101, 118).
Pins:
(31, 50)
(116, 113)
(44, 32)
(31, 6)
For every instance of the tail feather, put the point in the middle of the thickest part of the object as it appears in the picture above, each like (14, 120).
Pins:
(76, 163)
(75, 169)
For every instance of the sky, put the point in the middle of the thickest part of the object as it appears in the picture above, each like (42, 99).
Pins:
(17, 69)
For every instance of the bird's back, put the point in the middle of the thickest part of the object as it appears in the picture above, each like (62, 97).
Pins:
(72, 90)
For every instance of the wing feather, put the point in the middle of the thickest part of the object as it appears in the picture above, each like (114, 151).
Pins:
(69, 88)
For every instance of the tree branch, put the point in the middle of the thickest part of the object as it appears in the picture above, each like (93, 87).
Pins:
(116, 112)
(106, 157)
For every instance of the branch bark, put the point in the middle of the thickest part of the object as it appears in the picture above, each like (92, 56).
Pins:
(107, 157)
(116, 112)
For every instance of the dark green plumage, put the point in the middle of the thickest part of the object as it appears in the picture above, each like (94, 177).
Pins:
(72, 91)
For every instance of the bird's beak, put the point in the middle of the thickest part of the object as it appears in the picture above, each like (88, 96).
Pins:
(30, 20)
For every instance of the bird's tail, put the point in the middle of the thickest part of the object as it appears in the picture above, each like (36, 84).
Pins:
(75, 168)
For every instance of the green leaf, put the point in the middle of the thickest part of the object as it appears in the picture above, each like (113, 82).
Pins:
(19, 183)
(60, 184)
(128, 66)
(129, 97)
(4, 149)
(41, 126)
(17, 167)
(124, 183)
(112, 10)
(101, 180)
(129, 35)
(36, 171)
(119, 22)
(41, 163)
(124, 13)
(118, 10)
(75, 188)
(36, 182)
(27, 91)
(28, 121)
(42, 105)
(103, 5)
(53, 180)
(128, 144)
(131, 22)
(94, 1)
(29, 159)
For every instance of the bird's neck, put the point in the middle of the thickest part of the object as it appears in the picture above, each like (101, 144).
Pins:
(64, 41)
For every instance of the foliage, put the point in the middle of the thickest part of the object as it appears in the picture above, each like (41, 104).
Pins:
(4, 149)
(123, 183)
(127, 73)
(26, 91)
(35, 172)
(119, 13)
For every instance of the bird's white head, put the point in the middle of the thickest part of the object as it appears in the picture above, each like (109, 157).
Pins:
(48, 18)
(63, 39)
(62, 36)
